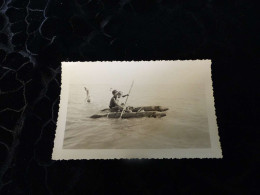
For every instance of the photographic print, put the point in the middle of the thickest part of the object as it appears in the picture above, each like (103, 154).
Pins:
(137, 109)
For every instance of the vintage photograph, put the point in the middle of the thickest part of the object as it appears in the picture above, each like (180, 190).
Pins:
(138, 109)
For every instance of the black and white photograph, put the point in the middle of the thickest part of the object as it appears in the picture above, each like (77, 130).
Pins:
(138, 106)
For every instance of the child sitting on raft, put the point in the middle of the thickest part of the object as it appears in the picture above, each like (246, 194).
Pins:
(114, 102)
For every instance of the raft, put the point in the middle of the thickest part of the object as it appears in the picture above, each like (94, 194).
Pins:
(134, 112)
(138, 109)
(151, 108)
(149, 114)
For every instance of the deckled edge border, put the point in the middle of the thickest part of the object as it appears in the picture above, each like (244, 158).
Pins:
(105, 154)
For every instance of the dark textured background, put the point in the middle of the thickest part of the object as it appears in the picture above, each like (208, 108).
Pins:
(36, 35)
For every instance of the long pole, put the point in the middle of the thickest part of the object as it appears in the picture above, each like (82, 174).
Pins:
(126, 100)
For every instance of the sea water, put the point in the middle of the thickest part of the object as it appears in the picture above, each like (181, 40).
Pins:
(185, 126)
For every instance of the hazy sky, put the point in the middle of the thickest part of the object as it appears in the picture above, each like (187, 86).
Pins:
(153, 72)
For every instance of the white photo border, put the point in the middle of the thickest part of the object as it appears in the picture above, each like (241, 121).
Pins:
(79, 154)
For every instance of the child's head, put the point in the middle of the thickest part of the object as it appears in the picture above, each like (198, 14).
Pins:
(114, 92)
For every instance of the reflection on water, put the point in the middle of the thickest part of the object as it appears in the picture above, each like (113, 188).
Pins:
(185, 125)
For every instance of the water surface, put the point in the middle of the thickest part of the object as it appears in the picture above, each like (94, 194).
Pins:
(185, 126)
